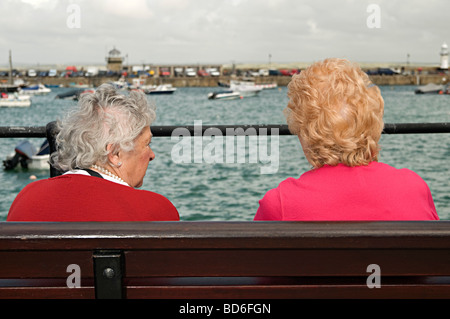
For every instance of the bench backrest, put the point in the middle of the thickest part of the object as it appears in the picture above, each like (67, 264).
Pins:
(225, 260)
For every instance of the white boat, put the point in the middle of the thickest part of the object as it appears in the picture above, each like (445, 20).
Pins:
(139, 84)
(266, 86)
(432, 88)
(15, 100)
(38, 89)
(224, 95)
(79, 85)
(262, 86)
(25, 154)
(121, 84)
(160, 89)
(245, 90)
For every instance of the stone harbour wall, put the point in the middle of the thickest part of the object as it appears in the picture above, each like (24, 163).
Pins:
(208, 81)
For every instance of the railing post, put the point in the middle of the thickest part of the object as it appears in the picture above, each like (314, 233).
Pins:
(51, 131)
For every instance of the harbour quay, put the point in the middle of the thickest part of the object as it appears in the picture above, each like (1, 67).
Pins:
(183, 81)
(210, 75)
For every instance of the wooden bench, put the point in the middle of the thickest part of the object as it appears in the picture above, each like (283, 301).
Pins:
(237, 260)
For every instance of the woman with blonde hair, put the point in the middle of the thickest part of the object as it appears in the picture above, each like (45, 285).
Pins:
(337, 114)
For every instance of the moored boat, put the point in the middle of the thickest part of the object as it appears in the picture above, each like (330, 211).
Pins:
(266, 86)
(38, 89)
(9, 88)
(224, 95)
(432, 88)
(160, 89)
(73, 94)
(26, 154)
(245, 90)
(14, 100)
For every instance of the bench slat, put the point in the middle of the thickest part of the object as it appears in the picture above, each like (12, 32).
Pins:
(403, 291)
(225, 259)
(253, 262)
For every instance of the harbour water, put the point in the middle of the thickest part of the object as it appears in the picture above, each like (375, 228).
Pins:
(227, 190)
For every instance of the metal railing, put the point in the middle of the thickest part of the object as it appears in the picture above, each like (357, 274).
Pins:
(49, 131)
(245, 129)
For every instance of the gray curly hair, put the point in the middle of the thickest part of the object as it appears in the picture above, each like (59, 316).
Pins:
(101, 118)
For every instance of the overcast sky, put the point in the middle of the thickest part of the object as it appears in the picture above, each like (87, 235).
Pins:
(222, 31)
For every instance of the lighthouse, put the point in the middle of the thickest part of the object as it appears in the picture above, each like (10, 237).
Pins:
(444, 57)
(114, 60)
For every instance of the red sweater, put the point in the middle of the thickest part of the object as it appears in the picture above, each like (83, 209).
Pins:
(76, 197)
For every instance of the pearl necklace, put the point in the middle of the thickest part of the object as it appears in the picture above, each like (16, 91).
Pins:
(105, 171)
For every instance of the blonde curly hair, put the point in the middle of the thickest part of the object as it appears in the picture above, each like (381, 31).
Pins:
(337, 113)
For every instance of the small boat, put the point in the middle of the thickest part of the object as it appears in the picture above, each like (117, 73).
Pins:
(38, 89)
(245, 90)
(120, 84)
(267, 86)
(223, 84)
(261, 86)
(73, 94)
(78, 85)
(9, 88)
(160, 89)
(26, 154)
(14, 100)
(432, 88)
(139, 84)
(224, 95)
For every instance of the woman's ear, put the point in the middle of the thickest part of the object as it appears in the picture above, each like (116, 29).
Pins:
(113, 157)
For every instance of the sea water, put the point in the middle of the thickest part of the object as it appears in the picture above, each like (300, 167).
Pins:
(230, 190)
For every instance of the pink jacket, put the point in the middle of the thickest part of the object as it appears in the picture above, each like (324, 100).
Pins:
(373, 192)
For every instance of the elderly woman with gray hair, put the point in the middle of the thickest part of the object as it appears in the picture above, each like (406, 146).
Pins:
(104, 148)
(337, 114)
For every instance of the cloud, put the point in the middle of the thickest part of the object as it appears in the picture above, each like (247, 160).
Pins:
(220, 31)
(134, 9)
(41, 4)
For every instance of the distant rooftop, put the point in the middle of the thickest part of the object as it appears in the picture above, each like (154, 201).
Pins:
(114, 52)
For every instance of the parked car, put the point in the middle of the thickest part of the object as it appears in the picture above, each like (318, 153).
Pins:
(253, 73)
(52, 72)
(213, 72)
(264, 72)
(77, 74)
(202, 73)
(274, 72)
(189, 72)
(386, 71)
(91, 71)
(16, 73)
(31, 73)
(178, 71)
(164, 72)
(65, 74)
(382, 71)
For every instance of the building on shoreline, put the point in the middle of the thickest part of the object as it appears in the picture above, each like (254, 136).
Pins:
(114, 61)
(444, 56)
